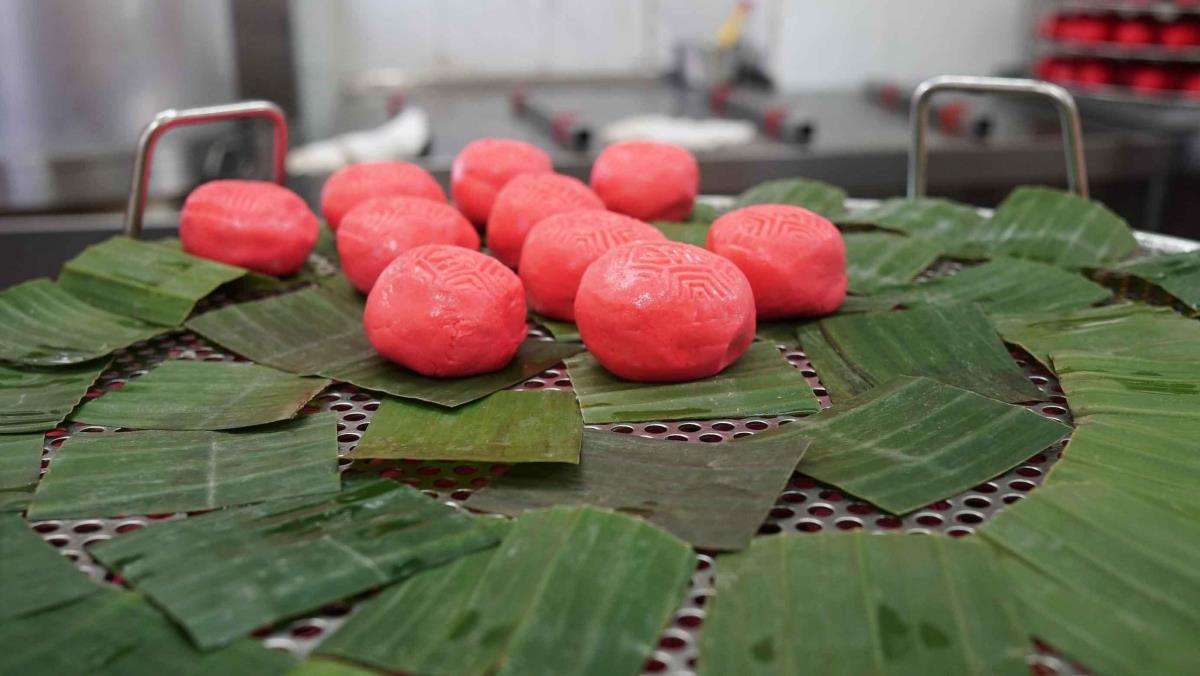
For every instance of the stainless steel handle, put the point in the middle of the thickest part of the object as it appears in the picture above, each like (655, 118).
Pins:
(169, 119)
(1064, 103)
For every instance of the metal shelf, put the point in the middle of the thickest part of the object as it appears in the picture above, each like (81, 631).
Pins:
(1109, 50)
(1161, 9)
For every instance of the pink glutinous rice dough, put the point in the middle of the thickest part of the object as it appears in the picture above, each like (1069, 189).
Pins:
(376, 232)
(664, 312)
(445, 311)
(560, 248)
(795, 259)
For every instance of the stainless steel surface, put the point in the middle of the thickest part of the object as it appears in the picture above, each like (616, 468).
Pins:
(78, 77)
(1068, 115)
(171, 119)
(856, 144)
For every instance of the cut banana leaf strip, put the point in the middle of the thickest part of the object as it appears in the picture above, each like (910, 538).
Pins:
(155, 472)
(318, 331)
(703, 213)
(761, 382)
(955, 344)
(1177, 275)
(42, 324)
(783, 331)
(858, 603)
(507, 426)
(562, 331)
(154, 283)
(712, 496)
(877, 260)
(1105, 577)
(688, 233)
(20, 459)
(319, 667)
(223, 574)
(1096, 383)
(116, 633)
(823, 198)
(569, 591)
(35, 576)
(1056, 227)
(913, 441)
(950, 224)
(1125, 329)
(1008, 286)
(182, 394)
(1156, 457)
(36, 398)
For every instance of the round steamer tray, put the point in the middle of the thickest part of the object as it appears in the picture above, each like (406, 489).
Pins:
(804, 506)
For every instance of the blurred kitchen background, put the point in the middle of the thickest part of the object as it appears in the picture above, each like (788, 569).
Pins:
(762, 89)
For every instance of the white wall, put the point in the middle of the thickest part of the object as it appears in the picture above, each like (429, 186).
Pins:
(835, 44)
(805, 44)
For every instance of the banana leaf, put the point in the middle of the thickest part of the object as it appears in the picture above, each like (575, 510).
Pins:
(955, 344)
(562, 331)
(20, 465)
(913, 441)
(223, 574)
(155, 472)
(154, 283)
(1056, 227)
(1105, 577)
(36, 398)
(951, 225)
(41, 324)
(878, 260)
(20, 459)
(1128, 384)
(507, 426)
(1177, 275)
(703, 213)
(1156, 457)
(688, 233)
(823, 198)
(319, 667)
(35, 576)
(714, 497)
(183, 394)
(761, 382)
(318, 331)
(860, 603)
(1008, 286)
(783, 331)
(116, 633)
(1125, 329)
(569, 591)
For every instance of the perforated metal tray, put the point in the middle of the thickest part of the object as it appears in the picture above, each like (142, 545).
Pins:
(805, 506)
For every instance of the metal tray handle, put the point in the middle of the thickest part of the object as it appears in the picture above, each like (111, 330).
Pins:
(1064, 103)
(169, 119)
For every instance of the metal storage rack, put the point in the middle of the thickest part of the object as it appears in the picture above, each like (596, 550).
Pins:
(805, 505)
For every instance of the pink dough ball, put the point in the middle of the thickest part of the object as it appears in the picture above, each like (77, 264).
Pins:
(664, 311)
(795, 259)
(375, 232)
(349, 186)
(485, 166)
(254, 224)
(559, 249)
(445, 311)
(647, 180)
(526, 200)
